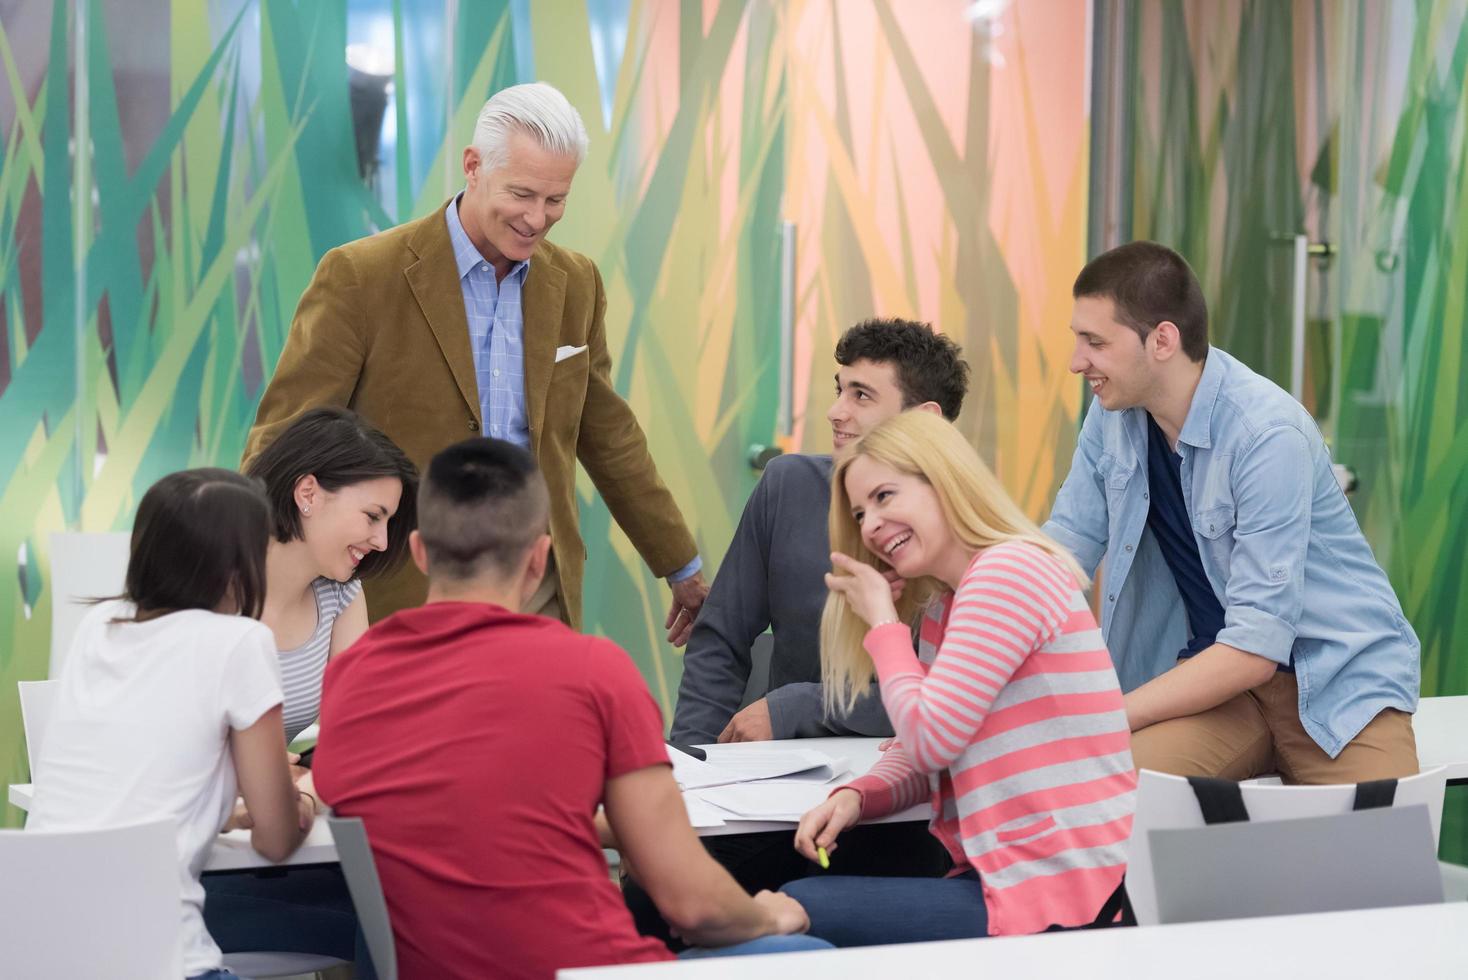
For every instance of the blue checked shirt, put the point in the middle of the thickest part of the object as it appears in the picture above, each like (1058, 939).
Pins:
(496, 335)
(497, 339)
(1279, 544)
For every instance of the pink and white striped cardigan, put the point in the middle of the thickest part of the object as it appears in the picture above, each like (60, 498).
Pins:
(1018, 735)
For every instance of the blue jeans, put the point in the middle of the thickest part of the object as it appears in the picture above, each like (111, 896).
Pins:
(757, 947)
(877, 911)
(286, 910)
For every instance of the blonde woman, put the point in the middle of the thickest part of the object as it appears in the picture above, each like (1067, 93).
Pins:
(1016, 733)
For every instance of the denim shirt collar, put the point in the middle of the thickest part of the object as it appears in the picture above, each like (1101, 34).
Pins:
(1197, 430)
(466, 256)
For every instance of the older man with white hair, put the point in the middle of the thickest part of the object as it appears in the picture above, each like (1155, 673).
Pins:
(467, 321)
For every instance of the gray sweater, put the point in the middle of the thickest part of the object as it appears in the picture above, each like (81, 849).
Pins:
(773, 576)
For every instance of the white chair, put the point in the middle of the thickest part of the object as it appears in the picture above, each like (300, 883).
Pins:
(36, 699)
(83, 566)
(1168, 802)
(100, 903)
(355, 852)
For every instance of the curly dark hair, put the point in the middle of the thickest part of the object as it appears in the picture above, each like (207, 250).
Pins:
(929, 366)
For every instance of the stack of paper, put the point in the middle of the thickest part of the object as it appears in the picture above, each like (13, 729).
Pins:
(728, 764)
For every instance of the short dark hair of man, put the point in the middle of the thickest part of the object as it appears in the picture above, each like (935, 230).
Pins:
(482, 505)
(1149, 283)
(339, 448)
(199, 538)
(929, 366)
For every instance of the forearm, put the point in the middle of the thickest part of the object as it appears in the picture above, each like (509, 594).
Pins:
(922, 719)
(715, 672)
(1197, 684)
(731, 916)
(892, 785)
(798, 711)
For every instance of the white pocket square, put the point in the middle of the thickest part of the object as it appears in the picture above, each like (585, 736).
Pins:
(564, 352)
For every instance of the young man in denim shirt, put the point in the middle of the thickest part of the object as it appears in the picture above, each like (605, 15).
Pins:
(1250, 624)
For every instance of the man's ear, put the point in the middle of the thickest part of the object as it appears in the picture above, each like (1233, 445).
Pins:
(419, 553)
(535, 563)
(931, 407)
(1167, 340)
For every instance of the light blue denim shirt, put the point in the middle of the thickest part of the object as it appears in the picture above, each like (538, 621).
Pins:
(1279, 543)
(497, 339)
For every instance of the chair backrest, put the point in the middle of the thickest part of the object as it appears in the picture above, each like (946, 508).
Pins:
(36, 699)
(83, 566)
(352, 847)
(98, 903)
(1376, 858)
(1168, 802)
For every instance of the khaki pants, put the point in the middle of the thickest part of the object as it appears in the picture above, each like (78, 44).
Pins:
(1259, 732)
(546, 600)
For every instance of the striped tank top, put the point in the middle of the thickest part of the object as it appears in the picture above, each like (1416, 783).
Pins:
(301, 669)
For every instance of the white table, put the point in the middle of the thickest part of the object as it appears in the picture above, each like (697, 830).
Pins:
(1421, 941)
(232, 851)
(1441, 726)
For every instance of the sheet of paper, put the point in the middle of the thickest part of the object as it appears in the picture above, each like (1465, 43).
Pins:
(749, 761)
(787, 801)
(746, 765)
(701, 813)
(691, 773)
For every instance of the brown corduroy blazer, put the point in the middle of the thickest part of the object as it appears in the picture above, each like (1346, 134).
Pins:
(381, 330)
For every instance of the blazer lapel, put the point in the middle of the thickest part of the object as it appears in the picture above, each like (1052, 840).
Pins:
(434, 281)
(542, 302)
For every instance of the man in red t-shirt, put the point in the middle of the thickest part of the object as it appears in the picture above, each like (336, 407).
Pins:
(476, 743)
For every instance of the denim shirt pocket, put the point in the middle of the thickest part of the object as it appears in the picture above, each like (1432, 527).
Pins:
(1214, 522)
(1115, 474)
(1214, 529)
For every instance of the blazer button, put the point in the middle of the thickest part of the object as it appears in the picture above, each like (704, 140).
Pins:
(473, 425)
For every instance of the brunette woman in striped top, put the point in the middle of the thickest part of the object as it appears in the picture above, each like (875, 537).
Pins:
(1017, 732)
(343, 502)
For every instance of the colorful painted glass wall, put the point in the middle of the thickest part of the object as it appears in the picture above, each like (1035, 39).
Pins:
(172, 172)
(1257, 120)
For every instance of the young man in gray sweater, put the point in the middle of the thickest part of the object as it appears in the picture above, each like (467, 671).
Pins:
(772, 577)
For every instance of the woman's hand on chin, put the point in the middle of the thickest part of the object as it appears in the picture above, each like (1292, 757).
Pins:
(866, 590)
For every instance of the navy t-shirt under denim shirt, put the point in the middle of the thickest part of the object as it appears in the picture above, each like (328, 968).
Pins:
(1173, 529)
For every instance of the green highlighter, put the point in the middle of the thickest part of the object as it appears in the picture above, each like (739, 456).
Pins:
(825, 861)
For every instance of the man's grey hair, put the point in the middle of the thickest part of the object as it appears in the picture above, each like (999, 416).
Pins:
(539, 111)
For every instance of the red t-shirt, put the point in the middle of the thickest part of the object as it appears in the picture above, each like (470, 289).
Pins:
(475, 744)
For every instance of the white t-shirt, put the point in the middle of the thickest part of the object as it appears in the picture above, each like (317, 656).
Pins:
(140, 730)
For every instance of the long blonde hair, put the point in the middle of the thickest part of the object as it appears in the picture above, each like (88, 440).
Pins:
(975, 507)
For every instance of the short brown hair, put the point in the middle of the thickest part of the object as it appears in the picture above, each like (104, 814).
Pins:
(482, 505)
(1149, 283)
